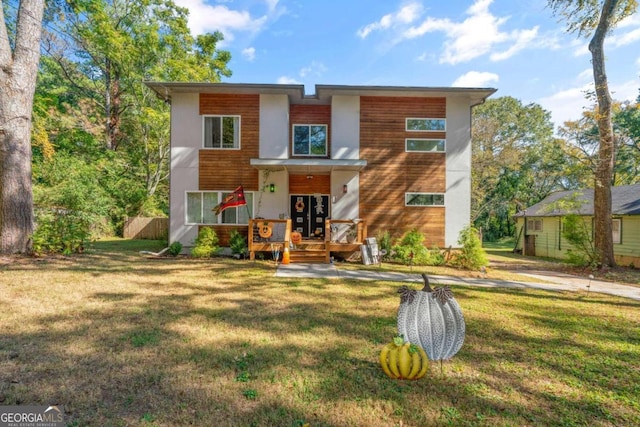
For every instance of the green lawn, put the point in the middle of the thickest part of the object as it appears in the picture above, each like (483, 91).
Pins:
(120, 339)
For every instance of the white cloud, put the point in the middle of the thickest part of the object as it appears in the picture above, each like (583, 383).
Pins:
(205, 18)
(286, 80)
(249, 53)
(569, 104)
(405, 15)
(314, 69)
(476, 79)
(586, 75)
(479, 34)
(625, 39)
(625, 91)
(523, 39)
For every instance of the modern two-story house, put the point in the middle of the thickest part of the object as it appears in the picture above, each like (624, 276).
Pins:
(395, 158)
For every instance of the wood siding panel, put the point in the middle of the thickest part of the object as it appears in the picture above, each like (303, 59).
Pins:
(299, 184)
(391, 171)
(226, 169)
(309, 115)
(628, 252)
(224, 232)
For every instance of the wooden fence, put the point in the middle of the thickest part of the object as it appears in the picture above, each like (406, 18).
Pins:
(139, 227)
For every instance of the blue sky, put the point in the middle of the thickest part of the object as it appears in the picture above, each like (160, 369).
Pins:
(518, 47)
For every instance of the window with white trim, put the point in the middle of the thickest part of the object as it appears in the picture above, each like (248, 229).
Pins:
(309, 140)
(426, 125)
(221, 132)
(200, 204)
(425, 145)
(423, 199)
(616, 228)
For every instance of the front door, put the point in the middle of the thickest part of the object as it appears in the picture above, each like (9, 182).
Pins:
(308, 213)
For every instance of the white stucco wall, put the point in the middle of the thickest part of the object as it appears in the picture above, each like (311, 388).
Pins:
(272, 205)
(274, 127)
(346, 205)
(345, 127)
(458, 177)
(186, 140)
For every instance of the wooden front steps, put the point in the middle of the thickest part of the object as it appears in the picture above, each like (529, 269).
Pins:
(309, 251)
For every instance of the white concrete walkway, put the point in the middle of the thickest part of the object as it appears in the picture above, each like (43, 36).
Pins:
(551, 281)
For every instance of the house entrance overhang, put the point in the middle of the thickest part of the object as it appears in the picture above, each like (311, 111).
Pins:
(302, 166)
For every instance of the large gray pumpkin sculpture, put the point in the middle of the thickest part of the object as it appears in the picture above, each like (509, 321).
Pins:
(432, 319)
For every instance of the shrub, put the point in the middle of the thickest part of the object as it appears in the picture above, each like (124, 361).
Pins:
(237, 243)
(206, 244)
(471, 256)
(175, 248)
(575, 230)
(63, 232)
(384, 244)
(411, 250)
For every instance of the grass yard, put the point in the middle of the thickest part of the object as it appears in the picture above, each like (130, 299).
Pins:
(123, 340)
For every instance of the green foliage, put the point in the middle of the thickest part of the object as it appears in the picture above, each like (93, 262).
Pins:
(384, 243)
(72, 207)
(61, 232)
(411, 250)
(576, 231)
(516, 162)
(206, 244)
(175, 248)
(237, 243)
(92, 76)
(471, 255)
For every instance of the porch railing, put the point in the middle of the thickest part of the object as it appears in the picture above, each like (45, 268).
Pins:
(341, 235)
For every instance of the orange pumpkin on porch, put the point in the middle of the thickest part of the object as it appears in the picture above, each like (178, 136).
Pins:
(296, 237)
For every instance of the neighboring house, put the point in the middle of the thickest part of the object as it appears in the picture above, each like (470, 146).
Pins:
(396, 157)
(539, 227)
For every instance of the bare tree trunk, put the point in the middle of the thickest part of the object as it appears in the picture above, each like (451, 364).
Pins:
(18, 73)
(603, 237)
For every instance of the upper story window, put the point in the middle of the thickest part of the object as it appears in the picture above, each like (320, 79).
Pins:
(426, 125)
(425, 145)
(309, 140)
(222, 132)
(423, 199)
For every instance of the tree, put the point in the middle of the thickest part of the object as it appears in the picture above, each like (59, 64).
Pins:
(584, 139)
(91, 100)
(18, 73)
(516, 162)
(597, 18)
(116, 44)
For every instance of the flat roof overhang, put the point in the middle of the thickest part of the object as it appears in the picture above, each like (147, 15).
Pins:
(317, 166)
(324, 93)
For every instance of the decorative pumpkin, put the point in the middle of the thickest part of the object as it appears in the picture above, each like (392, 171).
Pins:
(265, 229)
(296, 237)
(432, 319)
(403, 360)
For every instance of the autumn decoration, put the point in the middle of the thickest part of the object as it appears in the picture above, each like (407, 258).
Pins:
(431, 319)
(403, 360)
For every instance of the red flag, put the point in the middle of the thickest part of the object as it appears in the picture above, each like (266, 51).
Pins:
(232, 200)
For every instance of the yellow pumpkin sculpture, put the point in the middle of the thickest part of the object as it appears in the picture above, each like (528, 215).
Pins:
(403, 360)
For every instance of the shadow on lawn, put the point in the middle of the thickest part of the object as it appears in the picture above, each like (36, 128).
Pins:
(173, 353)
